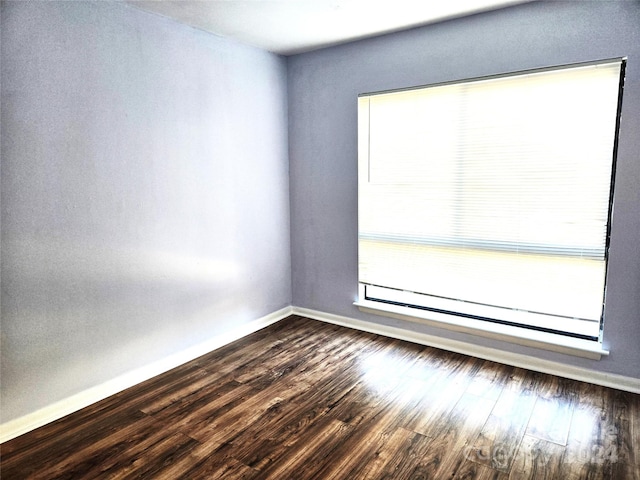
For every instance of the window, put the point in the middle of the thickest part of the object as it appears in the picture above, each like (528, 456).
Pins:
(490, 199)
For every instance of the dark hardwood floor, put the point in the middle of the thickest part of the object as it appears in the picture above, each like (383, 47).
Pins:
(304, 399)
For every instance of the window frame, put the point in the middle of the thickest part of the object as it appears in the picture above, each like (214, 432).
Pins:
(496, 328)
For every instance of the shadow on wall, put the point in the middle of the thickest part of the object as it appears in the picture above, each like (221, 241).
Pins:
(82, 312)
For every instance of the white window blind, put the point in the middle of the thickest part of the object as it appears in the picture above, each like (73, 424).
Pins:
(490, 198)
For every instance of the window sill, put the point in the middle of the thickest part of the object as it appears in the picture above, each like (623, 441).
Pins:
(520, 336)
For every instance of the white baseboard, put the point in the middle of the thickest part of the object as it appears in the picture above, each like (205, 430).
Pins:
(92, 395)
(619, 382)
(83, 399)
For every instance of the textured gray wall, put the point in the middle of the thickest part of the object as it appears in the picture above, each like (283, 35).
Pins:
(323, 87)
(144, 193)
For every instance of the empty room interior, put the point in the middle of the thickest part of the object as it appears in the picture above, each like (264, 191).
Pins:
(330, 239)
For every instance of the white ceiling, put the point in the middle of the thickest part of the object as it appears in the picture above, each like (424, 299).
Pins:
(288, 27)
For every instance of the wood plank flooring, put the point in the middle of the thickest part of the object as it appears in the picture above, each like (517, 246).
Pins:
(303, 399)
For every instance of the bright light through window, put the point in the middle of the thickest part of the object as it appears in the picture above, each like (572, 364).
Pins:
(490, 198)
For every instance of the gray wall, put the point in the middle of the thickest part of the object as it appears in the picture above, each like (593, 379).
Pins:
(144, 193)
(323, 87)
(145, 184)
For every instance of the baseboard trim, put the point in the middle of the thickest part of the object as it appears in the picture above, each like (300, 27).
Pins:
(619, 382)
(55, 411)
